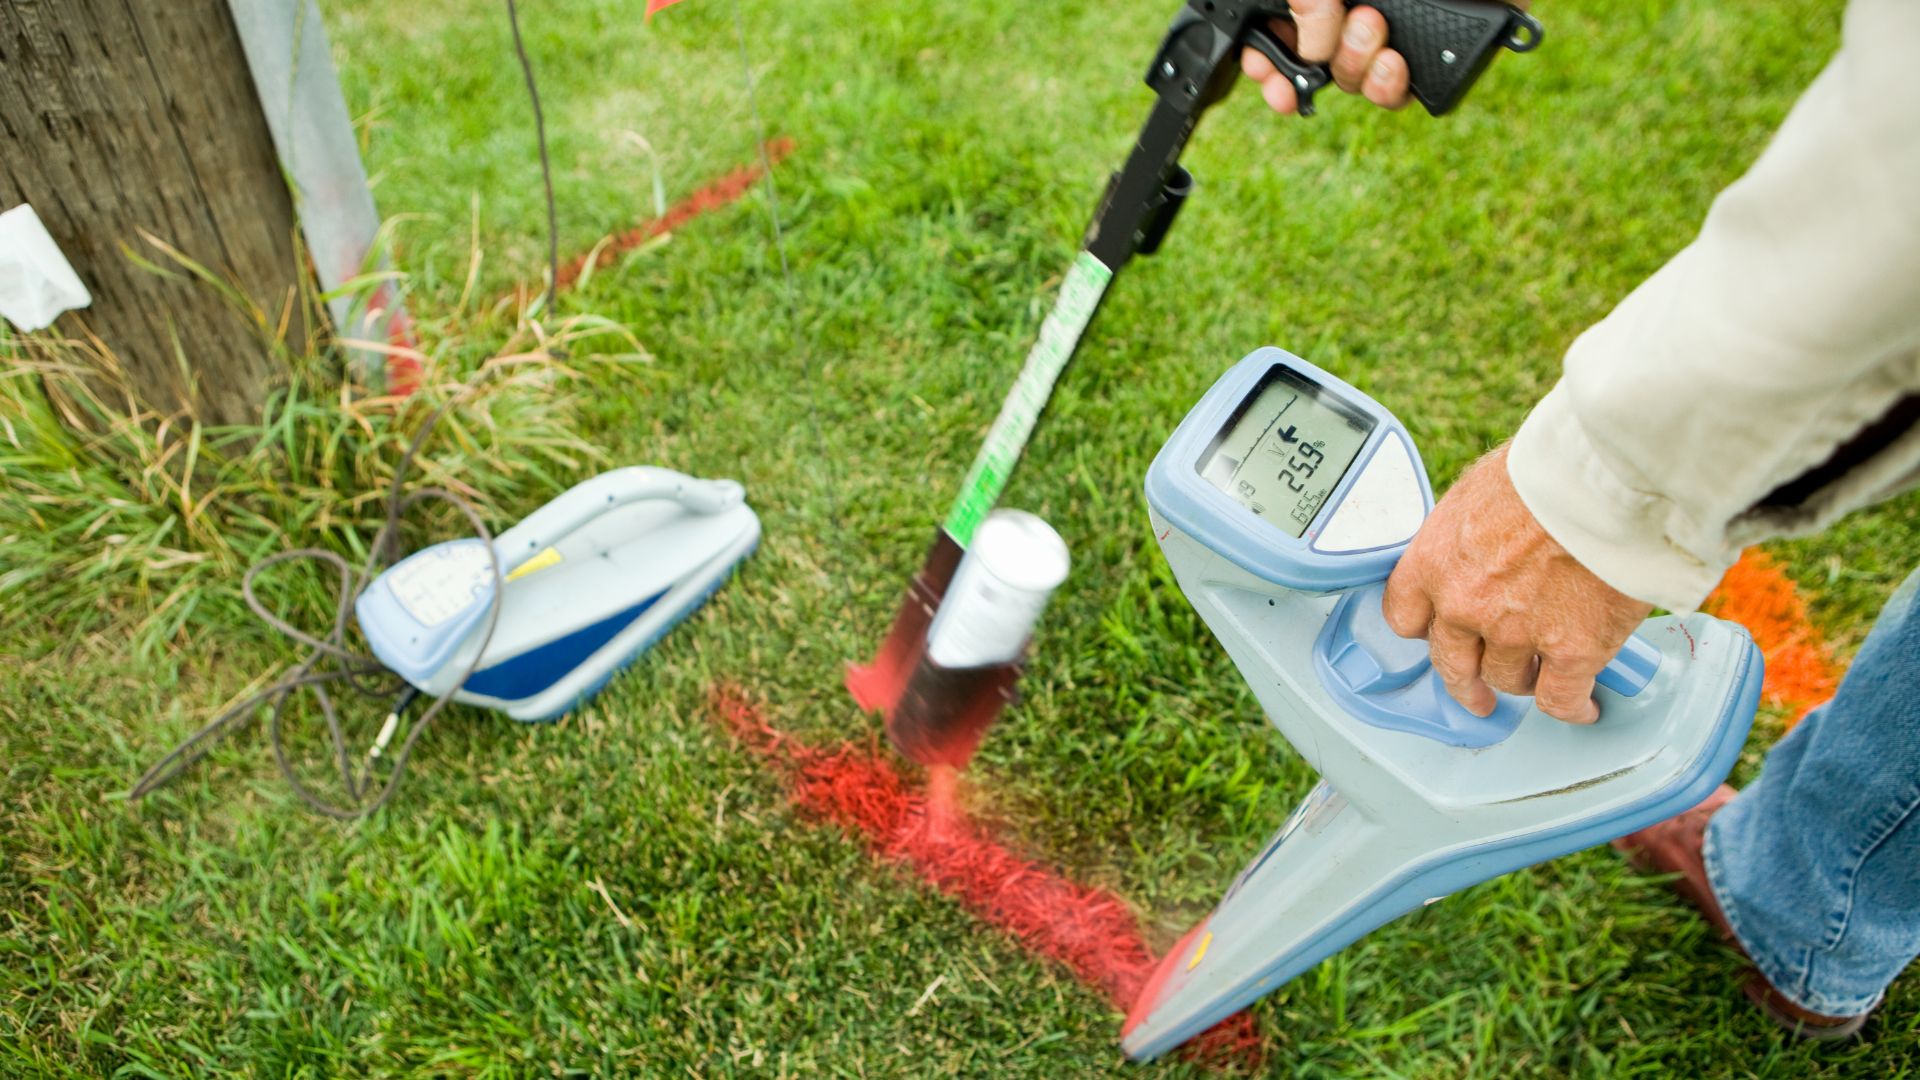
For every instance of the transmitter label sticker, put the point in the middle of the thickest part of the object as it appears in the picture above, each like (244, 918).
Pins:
(440, 582)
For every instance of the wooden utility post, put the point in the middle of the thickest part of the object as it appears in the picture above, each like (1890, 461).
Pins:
(123, 115)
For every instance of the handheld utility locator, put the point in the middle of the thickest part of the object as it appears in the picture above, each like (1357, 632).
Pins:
(1282, 502)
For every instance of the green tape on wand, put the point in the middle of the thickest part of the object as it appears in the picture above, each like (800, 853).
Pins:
(878, 685)
(1086, 282)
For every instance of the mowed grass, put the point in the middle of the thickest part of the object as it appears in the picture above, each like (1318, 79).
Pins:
(626, 892)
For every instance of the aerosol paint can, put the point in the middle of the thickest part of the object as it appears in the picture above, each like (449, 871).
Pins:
(978, 637)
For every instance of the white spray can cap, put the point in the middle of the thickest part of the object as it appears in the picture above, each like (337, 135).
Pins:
(996, 596)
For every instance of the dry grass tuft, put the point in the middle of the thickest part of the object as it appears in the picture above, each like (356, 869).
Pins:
(114, 513)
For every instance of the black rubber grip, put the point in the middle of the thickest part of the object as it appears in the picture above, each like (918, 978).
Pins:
(1448, 43)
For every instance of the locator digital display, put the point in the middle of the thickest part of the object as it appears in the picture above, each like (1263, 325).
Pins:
(1285, 449)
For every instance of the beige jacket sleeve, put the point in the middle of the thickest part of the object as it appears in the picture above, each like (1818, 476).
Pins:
(1767, 380)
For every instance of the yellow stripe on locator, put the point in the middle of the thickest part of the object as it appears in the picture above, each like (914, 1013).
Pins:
(549, 557)
(1200, 951)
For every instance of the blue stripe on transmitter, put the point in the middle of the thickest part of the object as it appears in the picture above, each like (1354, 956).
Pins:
(540, 667)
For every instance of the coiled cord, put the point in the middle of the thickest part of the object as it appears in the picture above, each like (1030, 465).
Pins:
(329, 662)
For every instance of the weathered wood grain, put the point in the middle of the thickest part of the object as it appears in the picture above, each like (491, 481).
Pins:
(118, 116)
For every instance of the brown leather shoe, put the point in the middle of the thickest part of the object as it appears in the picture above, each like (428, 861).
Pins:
(1673, 847)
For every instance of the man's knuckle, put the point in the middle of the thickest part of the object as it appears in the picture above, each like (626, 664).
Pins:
(1453, 670)
(1572, 655)
(1508, 635)
(1510, 672)
(1561, 698)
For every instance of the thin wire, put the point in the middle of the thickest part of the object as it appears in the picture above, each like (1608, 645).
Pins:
(353, 668)
(364, 673)
(829, 462)
(546, 167)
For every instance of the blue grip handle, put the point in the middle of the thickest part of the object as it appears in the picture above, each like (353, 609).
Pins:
(1388, 681)
(1632, 668)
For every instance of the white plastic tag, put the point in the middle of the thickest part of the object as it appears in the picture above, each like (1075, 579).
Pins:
(36, 281)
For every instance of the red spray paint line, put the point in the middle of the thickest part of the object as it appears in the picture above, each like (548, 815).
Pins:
(878, 684)
(712, 196)
(1090, 931)
(1801, 671)
(403, 363)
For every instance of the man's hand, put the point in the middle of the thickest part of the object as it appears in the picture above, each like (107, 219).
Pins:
(1502, 605)
(1355, 41)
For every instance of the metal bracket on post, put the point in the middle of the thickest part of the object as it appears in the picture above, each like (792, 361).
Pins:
(286, 47)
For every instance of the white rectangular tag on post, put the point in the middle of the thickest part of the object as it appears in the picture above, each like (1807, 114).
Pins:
(36, 281)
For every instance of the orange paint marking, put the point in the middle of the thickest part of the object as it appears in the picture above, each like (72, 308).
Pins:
(1801, 670)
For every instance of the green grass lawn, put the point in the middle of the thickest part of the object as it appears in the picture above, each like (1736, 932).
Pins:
(947, 158)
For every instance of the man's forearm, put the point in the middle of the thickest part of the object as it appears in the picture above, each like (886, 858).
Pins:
(1761, 382)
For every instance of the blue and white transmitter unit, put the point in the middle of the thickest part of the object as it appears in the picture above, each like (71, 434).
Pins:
(583, 586)
(1282, 502)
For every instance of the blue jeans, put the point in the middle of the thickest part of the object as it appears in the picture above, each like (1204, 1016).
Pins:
(1817, 863)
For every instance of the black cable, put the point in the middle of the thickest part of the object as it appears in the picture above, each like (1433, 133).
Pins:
(361, 673)
(546, 167)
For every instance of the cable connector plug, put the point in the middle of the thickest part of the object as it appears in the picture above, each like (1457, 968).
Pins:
(392, 723)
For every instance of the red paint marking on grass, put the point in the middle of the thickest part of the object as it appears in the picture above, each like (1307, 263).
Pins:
(402, 366)
(710, 197)
(1090, 931)
(1758, 594)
